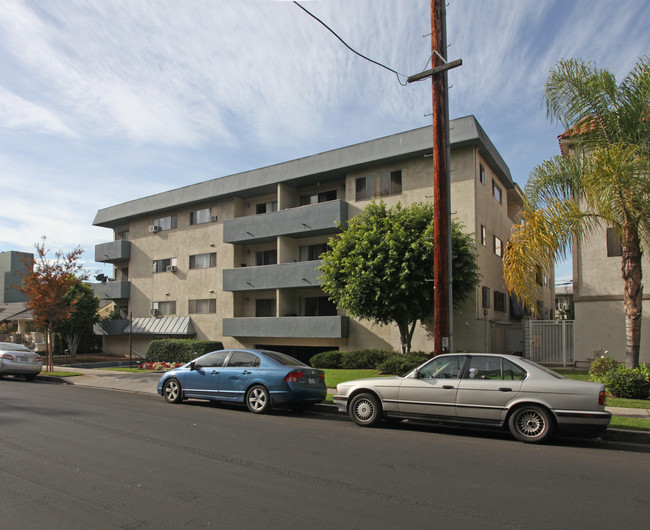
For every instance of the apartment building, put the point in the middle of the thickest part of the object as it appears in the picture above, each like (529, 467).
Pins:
(235, 258)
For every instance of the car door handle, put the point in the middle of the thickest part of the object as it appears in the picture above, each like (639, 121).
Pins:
(448, 387)
(246, 372)
(214, 372)
(505, 389)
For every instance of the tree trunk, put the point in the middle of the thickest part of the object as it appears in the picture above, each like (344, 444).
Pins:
(405, 335)
(72, 340)
(633, 297)
(49, 347)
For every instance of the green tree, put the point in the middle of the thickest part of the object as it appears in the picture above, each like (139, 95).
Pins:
(378, 268)
(80, 324)
(603, 181)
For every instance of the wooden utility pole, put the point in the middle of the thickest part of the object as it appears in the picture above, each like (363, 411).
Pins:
(441, 310)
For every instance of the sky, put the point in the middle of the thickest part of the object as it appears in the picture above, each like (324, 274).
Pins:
(106, 101)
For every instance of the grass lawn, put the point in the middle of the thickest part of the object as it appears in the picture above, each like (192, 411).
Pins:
(636, 424)
(60, 373)
(333, 377)
(125, 369)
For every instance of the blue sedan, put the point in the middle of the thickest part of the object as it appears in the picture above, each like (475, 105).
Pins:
(259, 378)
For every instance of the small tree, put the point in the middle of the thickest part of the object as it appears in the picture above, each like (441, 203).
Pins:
(84, 315)
(379, 266)
(46, 285)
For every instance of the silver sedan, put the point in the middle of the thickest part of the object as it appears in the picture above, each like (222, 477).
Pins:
(16, 359)
(485, 390)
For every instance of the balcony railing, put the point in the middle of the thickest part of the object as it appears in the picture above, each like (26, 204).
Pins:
(115, 290)
(334, 327)
(113, 251)
(282, 275)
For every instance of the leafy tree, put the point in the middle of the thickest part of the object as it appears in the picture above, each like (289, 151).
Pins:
(80, 324)
(377, 268)
(602, 182)
(46, 285)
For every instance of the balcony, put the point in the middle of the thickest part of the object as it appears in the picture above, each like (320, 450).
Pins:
(113, 252)
(112, 290)
(298, 274)
(335, 327)
(305, 221)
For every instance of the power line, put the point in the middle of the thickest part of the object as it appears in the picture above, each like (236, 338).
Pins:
(397, 74)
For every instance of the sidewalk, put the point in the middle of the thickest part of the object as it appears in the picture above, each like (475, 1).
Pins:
(145, 383)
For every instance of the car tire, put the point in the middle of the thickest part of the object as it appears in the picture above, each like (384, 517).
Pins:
(29, 377)
(172, 391)
(531, 424)
(365, 410)
(258, 399)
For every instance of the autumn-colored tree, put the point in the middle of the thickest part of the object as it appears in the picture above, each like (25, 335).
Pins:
(46, 285)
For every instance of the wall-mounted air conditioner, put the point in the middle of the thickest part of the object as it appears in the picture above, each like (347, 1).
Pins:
(154, 228)
(213, 218)
(171, 268)
(154, 312)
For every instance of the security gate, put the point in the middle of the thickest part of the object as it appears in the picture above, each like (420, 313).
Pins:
(549, 341)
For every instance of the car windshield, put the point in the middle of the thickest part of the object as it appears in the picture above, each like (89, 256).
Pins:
(283, 358)
(542, 368)
(15, 347)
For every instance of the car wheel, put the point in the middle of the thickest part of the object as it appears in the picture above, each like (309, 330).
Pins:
(258, 399)
(172, 391)
(365, 410)
(531, 424)
(29, 377)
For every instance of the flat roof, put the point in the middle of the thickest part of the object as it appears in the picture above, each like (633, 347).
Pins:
(325, 166)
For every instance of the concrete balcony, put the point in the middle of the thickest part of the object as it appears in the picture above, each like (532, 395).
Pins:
(280, 276)
(113, 252)
(116, 290)
(304, 221)
(335, 327)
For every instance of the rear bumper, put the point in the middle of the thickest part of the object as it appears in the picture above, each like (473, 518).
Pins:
(592, 423)
(299, 395)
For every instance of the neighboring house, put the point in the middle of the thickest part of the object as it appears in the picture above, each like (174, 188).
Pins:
(235, 258)
(564, 301)
(598, 292)
(13, 265)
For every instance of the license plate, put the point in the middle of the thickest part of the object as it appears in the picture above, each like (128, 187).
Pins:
(311, 380)
(23, 359)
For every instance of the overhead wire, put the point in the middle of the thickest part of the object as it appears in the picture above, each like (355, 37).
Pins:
(397, 74)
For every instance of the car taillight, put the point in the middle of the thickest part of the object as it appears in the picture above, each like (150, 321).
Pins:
(602, 398)
(37, 359)
(7, 356)
(322, 376)
(294, 377)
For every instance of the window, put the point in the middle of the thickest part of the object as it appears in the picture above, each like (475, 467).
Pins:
(266, 257)
(312, 252)
(381, 185)
(243, 358)
(213, 360)
(207, 305)
(163, 265)
(260, 208)
(165, 308)
(496, 191)
(498, 246)
(198, 217)
(264, 207)
(265, 307)
(481, 174)
(483, 236)
(499, 302)
(485, 298)
(314, 198)
(443, 368)
(122, 236)
(165, 223)
(319, 306)
(203, 261)
(613, 243)
(494, 369)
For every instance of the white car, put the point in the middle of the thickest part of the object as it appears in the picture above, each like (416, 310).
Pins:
(484, 390)
(16, 359)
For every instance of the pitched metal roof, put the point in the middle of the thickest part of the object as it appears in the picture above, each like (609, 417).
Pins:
(14, 311)
(161, 326)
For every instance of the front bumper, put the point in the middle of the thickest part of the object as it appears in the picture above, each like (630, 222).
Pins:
(341, 402)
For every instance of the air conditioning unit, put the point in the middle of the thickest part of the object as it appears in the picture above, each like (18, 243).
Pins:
(171, 268)
(213, 218)
(154, 228)
(154, 312)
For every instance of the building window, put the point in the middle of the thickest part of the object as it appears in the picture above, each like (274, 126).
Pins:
(165, 223)
(498, 246)
(164, 308)
(198, 217)
(323, 196)
(499, 302)
(203, 261)
(265, 307)
(496, 191)
(481, 174)
(382, 185)
(164, 265)
(485, 298)
(483, 235)
(265, 207)
(614, 247)
(266, 257)
(312, 252)
(207, 305)
(122, 235)
(319, 306)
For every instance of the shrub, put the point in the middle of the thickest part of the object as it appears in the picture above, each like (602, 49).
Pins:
(629, 383)
(363, 359)
(398, 364)
(601, 366)
(179, 350)
(644, 370)
(327, 359)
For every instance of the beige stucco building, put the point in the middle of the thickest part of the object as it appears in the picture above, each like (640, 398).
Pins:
(235, 258)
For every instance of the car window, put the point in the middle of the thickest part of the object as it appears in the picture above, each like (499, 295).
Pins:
(443, 367)
(283, 358)
(15, 347)
(214, 359)
(485, 368)
(243, 358)
(513, 372)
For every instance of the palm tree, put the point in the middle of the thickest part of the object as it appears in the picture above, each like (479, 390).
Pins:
(602, 180)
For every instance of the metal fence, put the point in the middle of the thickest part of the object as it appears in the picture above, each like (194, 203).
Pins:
(549, 341)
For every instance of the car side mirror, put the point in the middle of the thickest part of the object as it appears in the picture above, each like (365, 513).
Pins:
(416, 374)
(193, 365)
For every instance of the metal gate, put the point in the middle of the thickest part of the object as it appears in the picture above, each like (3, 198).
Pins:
(506, 337)
(549, 341)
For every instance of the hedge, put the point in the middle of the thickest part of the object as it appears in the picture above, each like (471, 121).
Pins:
(179, 350)
(387, 362)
